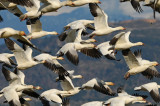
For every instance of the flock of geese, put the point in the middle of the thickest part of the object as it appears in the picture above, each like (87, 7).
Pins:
(76, 39)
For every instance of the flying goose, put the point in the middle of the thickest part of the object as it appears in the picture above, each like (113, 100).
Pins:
(77, 3)
(52, 96)
(152, 88)
(74, 32)
(134, 66)
(99, 85)
(71, 76)
(135, 4)
(32, 12)
(67, 85)
(149, 72)
(23, 56)
(104, 48)
(27, 3)
(20, 36)
(124, 100)
(101, 21)
(121, 41)
(15, 88)
(52, 63)
(36, 30)
(6, 58)
(11, 7)
(53, 5)
(70, 50)
(86, 23)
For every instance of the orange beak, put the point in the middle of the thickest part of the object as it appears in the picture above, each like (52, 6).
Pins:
(99, 2)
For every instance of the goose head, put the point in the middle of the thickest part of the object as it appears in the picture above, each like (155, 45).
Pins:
(22, 33)
(60, 58)
(37, 87)
(69, 3)
(139, 44)
(119, 28)
(109, 83)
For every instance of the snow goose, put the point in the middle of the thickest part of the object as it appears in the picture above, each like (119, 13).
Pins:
(15, 87)
(67, 85)
(53, 5)
(124, 100)
(149, 72)
(86, 23)
(10, 76)
(32, 12)
(152, 88)
(70, 50)
(11, 7)
(99, 85)
(52, 96)
(10, 32)
(105, 50)
(121, 41)
(75, 29)
(135, 4)
(23, 56)
(27, 3)
(71, 76)
(6, 58)
(134, 66)
(101, 21)
(36, 30)
(77, 3)
(52, 63)
(18, 35)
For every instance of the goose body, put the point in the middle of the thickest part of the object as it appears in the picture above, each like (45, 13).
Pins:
(6, 58)
(23, 57)
(121, 41)
(52, 96)
(98, 85)
(77, 3)
(53, 5)
(27, 3)
(152, 88)
(32, 12)
(94, 103)
(36, 30)
(70, 50)
(133, 64)
(10, 32)
(101, 21)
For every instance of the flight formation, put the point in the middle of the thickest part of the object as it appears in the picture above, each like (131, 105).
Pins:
(77, 39)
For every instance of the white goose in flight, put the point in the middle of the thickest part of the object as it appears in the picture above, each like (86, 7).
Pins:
(27, 3)
(53, 5)
(152, 88)
(86, 23)
(75, 31)
(20, 36)
(101, 22)
(70, 50)
(67, 85)
(35, 29)
(150, 72)
(99, 85)
(134, 66)
(32, 12)
(15, 87)
(52, 97)
(77, 3)
(121, 41)
(6, 58)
